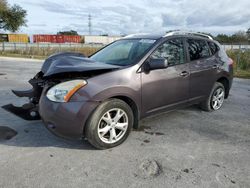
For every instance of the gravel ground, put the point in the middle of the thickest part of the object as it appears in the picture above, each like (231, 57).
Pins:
(184, 148)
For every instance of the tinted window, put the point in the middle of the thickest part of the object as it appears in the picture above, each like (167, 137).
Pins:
(197, 49)
(213, 47)
(172, 51)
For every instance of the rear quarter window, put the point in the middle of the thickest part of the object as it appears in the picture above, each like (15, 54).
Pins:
(213, 47)
(197, 49)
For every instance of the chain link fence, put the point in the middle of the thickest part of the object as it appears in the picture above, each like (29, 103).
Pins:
(46, 49)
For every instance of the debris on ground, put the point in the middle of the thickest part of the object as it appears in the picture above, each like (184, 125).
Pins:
(146, 141)
(154, 133)
(150, 168)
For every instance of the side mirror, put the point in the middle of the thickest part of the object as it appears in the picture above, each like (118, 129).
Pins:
(159, 63)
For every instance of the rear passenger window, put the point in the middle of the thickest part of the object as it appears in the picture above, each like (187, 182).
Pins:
(197, 49)
(172, 51)
(213, 47)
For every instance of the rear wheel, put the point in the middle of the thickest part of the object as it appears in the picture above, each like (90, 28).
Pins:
(215, 99)
(110, 124)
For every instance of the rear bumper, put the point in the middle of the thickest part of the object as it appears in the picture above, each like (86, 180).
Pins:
(231, 71)
(66, 119)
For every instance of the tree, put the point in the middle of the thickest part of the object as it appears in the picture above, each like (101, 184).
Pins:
(239, 37)
(223, 38)
(71, 32)
(11, 17)
(248, 34)
(3, 5)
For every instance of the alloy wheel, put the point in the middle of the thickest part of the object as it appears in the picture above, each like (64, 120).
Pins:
(217, 98)
(113, 125)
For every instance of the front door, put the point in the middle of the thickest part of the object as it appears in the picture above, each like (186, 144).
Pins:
(164, 89)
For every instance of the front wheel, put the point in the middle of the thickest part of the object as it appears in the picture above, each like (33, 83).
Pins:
(110, 124)
(215, 99)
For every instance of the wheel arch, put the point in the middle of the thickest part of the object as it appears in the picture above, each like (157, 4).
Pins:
(223, 80)
(133, 106)
(127, 100)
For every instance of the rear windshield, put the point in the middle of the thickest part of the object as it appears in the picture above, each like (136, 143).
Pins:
(124, 52)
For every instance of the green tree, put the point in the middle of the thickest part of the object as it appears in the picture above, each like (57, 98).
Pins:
(11, 17)
(223, 38)
(248, 34)
(71, 32)
(239, 37)
(3, 5)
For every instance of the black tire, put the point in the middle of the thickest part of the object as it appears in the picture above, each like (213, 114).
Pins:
(91, 130)
(206, 105)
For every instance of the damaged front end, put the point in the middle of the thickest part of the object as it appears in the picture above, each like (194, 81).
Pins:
(28, 111)
(56, 69)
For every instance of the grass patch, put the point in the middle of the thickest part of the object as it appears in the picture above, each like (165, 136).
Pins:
(242, 74)
(44, 52)
(241, 62)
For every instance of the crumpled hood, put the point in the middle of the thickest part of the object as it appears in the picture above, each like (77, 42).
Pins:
(72, 63)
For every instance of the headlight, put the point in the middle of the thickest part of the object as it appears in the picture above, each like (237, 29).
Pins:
(63, 92)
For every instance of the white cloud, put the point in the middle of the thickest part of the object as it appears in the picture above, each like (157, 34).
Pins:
(130, 16)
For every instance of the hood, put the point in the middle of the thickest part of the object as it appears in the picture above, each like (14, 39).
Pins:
(71, 63)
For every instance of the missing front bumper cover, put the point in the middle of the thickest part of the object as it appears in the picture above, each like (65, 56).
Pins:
(22, 112)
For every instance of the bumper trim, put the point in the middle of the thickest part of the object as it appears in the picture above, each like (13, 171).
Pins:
(24, 113)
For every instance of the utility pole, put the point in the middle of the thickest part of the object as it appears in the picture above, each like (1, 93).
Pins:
(90, 24)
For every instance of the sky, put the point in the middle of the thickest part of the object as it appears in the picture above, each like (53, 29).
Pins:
(115, 17)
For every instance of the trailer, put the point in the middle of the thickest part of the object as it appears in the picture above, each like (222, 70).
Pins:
(18, 38)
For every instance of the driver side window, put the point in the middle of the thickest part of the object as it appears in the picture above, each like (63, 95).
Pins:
(172, 50)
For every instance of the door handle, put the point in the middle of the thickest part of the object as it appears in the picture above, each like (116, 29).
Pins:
(215, 66)
(184, 73)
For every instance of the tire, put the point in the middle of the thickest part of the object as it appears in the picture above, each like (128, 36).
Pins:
(209, 105)
(110, 124)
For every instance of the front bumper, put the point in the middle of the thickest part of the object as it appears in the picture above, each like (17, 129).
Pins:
(66, 119)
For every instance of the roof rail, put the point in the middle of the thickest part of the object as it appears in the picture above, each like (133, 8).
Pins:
(187, 33)
(135, 34)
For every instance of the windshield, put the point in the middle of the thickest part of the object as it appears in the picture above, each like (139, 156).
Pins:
(123, 52)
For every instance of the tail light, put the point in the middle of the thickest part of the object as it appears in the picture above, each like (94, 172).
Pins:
(230, 62)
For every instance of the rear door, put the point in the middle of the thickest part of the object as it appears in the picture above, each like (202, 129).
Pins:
(166, 88)
(203, 68)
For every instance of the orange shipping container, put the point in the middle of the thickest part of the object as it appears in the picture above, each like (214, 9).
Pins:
(59, 39)
(41, 38)
(22, 38)
(72, 38)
